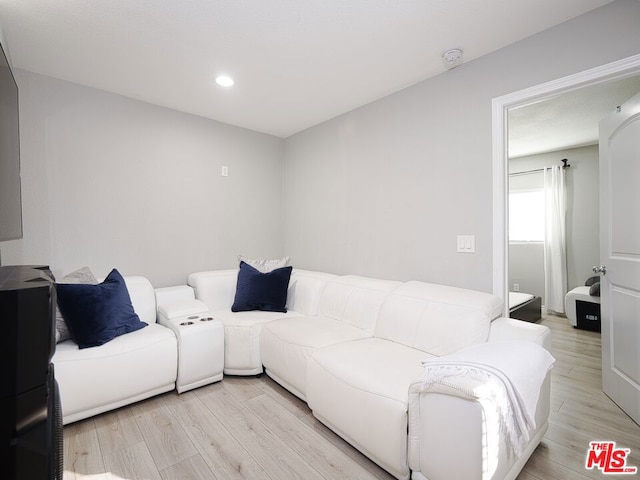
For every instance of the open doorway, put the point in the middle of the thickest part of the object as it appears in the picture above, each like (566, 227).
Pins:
(502, 106)
(558, 133)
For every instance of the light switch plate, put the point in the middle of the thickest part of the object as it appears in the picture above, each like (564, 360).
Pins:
(466, 244)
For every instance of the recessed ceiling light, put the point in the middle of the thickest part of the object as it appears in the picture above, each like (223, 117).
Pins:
(224, 81)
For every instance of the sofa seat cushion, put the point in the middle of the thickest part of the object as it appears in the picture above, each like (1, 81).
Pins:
(129, 368)
(286, 344)
(241, 338)
(360, 390)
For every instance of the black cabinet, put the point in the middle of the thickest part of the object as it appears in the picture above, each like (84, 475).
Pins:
(31, 420)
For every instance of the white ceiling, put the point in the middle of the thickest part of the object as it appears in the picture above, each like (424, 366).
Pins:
(296, 63)
(568, 120)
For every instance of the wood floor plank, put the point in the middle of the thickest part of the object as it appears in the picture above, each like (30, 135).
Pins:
(133, 463)
(226, 457)
(274, 455)
(85, 425)
(193, 468)
(354, 454)
(82, 454)
(541, 466)
(164, 435)
(528, 476)
(615, 420)
(293, 404)
(116, 430)
(242, 388)
(324, 457)
(595, 429)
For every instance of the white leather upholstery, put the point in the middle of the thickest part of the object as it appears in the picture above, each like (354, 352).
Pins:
(200, 337)
(286, 344)
(142, 297)
(435, 318)
(360, 387)
(510, 329)
(127, 369)
(180, 308)
(242, 329)
(242, 339)
(355, 300)
(452, 436)
(216, 288)
(347, 310)
(360, 390)
(305, 289)
(171, 295)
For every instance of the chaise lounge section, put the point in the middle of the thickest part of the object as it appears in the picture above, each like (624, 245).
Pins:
(353, 348)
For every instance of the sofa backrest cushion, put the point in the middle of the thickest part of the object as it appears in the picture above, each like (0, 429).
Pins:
(437, 319)
(217, 289)
(305, 290)
(355, 300)
(143, 298)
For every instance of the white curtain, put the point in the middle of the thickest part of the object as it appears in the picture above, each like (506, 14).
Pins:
(555, 241)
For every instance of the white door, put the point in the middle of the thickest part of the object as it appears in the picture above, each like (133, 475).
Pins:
(620, 255)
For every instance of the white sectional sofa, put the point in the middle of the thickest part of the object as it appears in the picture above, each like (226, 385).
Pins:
(127, 369)
(354, 347)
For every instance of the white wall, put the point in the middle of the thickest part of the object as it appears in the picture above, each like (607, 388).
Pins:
(113, 182)
(380, 191)
(583, 244)
(385, 189)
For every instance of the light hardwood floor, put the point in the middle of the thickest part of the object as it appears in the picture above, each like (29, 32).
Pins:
(251, 428)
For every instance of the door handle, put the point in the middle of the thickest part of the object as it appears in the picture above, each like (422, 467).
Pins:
(601, 269)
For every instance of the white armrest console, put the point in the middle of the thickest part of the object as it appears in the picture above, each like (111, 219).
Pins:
(200, 336)
(352, 348)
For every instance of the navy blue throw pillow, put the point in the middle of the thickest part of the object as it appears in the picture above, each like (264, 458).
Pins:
(261, 291)
(96, 314)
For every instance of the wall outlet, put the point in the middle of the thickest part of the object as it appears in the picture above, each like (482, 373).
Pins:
(516, 287)
(224, 171)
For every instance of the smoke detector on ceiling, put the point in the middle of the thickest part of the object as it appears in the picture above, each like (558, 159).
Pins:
(452, 58)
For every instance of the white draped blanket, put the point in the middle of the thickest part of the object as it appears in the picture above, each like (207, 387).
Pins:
(507, 374)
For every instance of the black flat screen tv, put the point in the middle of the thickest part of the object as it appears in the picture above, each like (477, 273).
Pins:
(10, 188)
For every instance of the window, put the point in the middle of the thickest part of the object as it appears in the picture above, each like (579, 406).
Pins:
(526, 216)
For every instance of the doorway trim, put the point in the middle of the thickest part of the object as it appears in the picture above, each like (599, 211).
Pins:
(500, 107)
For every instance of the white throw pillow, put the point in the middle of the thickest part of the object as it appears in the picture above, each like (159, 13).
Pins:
(82, 276)
(265, 265)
